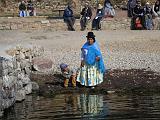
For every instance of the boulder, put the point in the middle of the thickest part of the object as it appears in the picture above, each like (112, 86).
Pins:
(28, 88)
(42, 64)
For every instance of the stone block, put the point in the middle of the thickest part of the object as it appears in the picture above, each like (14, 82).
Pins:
(20, 95)
(28, 88)
(44, 21)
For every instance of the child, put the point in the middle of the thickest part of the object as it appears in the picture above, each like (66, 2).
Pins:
(68, 74)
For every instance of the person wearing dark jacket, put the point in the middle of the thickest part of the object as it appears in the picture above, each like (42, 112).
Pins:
(130, 6)
(30, 8)
(96, 25)
(68, 17)
(22, 9)
(86, 14)
(138, 15)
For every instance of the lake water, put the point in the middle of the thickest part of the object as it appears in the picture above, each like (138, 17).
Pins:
(86, 107)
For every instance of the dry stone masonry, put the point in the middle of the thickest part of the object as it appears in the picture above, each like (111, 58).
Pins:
(43, 23)
(15, 81)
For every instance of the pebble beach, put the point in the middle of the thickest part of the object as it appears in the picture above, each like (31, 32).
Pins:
(121, 49)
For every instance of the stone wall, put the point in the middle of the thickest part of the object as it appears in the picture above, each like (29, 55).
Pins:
(15, 81)
(31, 23)
(45, 23)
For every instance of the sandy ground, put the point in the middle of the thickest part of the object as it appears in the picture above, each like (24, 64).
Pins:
(120, 49)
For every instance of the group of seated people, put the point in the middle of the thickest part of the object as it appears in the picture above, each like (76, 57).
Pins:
(86, 14)
(26, 9)
(142, 16)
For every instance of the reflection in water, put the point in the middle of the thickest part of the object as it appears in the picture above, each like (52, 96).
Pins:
(68, 106)
(20, 111)
(86, 107)
(92, 106)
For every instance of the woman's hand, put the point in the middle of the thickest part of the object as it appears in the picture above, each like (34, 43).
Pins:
(97, 59)
(82, 63)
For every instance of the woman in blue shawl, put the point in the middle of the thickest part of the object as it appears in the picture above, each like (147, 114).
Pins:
(92, 66)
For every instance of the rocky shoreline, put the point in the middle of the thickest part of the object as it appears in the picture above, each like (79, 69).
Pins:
(132, 58)
(15, 82)
(133, 81)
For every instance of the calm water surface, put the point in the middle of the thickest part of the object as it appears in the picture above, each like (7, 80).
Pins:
(86, 107)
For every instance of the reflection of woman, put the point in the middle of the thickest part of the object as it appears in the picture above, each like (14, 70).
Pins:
(92, 106)
(92, 66)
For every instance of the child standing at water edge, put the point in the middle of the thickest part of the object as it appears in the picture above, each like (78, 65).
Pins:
(68, 74)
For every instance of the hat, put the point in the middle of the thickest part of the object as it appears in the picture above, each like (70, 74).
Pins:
(90, 35)
(63, 66)
(100, 6)
(147, 3)
(86, 4)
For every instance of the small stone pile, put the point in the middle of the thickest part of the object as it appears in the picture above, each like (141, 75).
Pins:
(15, 81)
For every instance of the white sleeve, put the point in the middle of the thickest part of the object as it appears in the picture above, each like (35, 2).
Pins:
(155, 14)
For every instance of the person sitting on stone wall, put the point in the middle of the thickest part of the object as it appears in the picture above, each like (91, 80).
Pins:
(130, 6)
(96, 23)
(22, 9)
(156, 8)
(138, 15)
(108, 8)
(30, 9)
(148, 12)
(69, 18)
(86, 14)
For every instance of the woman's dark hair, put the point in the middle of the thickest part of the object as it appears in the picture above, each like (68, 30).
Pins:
(107, 1)
(157, 2)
